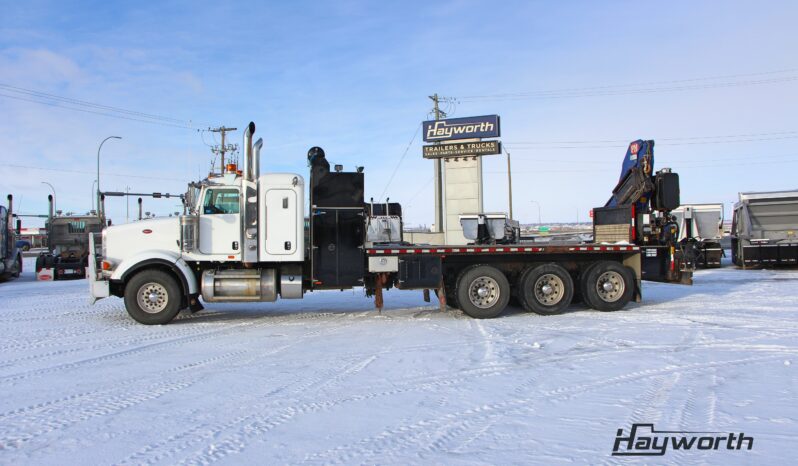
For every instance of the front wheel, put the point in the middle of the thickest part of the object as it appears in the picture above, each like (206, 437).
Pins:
(483, 292)
(152, 297)
(608, 286)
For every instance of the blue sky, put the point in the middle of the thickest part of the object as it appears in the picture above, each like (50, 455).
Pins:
(353, 77)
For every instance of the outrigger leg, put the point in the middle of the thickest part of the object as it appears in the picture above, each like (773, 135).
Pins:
(379, 282)
(442, 295)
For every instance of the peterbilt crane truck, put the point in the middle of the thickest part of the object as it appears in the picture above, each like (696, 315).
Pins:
(243, 238)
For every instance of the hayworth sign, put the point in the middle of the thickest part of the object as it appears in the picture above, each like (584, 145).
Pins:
(461, 149)
(460, 142)
(486, 126)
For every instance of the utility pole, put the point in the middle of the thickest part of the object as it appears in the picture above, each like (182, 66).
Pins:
(509, 184)
(438, 170)
(221, 149)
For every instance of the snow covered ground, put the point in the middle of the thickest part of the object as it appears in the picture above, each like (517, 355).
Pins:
(328, 380)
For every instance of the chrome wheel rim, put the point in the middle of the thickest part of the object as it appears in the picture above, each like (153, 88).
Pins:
(484, 292)
(152, 298)
(549, 289)
(610, 286)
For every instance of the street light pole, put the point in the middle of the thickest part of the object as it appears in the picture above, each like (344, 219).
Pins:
(538, 204)
(98, 170)
(55, 201)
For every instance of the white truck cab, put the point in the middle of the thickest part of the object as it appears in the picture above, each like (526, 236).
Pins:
(241, 238)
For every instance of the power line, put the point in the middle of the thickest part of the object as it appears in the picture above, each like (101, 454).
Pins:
(420, 190)
(519, 146)
(641, 88)
(70, 100)
(596, 141)
(791, 159)
(68, 103)
(64, 170)
(396, 168)
(53, 104)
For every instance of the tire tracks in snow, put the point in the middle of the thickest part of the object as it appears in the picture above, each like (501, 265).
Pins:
(257, 425)
(54, 415)
(409, 437)
(192, 337)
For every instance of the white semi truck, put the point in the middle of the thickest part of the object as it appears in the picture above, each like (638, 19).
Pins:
(244, 238)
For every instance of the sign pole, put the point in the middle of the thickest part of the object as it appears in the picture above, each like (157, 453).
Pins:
(510, 184)
(438, 175)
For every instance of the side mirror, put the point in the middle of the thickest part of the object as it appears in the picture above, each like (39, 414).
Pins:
(19, 226)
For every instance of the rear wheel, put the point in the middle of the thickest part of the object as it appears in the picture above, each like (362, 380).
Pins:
(482, 292)
(582, 285)
(546, 289)
(608, 286)
(152, 297)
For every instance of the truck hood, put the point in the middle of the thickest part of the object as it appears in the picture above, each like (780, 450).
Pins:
(161, 234)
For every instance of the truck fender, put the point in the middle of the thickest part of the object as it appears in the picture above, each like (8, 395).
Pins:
(176, 263)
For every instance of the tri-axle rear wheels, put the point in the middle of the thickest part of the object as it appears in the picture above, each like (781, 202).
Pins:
(152, 297)
(483, 291)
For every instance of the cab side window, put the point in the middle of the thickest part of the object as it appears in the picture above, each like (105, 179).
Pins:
(221, 201)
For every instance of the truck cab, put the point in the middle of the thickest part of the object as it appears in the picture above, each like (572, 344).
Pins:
(240, 238)
(10, 255)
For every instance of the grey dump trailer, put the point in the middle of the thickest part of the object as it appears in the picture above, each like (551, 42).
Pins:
(764, 229)
(701, 226)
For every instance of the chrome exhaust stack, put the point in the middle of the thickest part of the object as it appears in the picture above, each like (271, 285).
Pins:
(256, 159)
(247, 169)
(50, 212)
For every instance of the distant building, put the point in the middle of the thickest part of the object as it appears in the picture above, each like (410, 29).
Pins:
(36, 236)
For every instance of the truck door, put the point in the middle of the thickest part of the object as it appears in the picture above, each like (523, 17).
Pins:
(220, 222)
(281, 221)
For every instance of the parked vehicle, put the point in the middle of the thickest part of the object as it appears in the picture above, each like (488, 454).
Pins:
(242, 238)
(23, 245)
(67, 244)
(10, 254)
(764, 229)
(701, 227)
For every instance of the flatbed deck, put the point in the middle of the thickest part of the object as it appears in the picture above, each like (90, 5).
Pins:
(499, 249)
